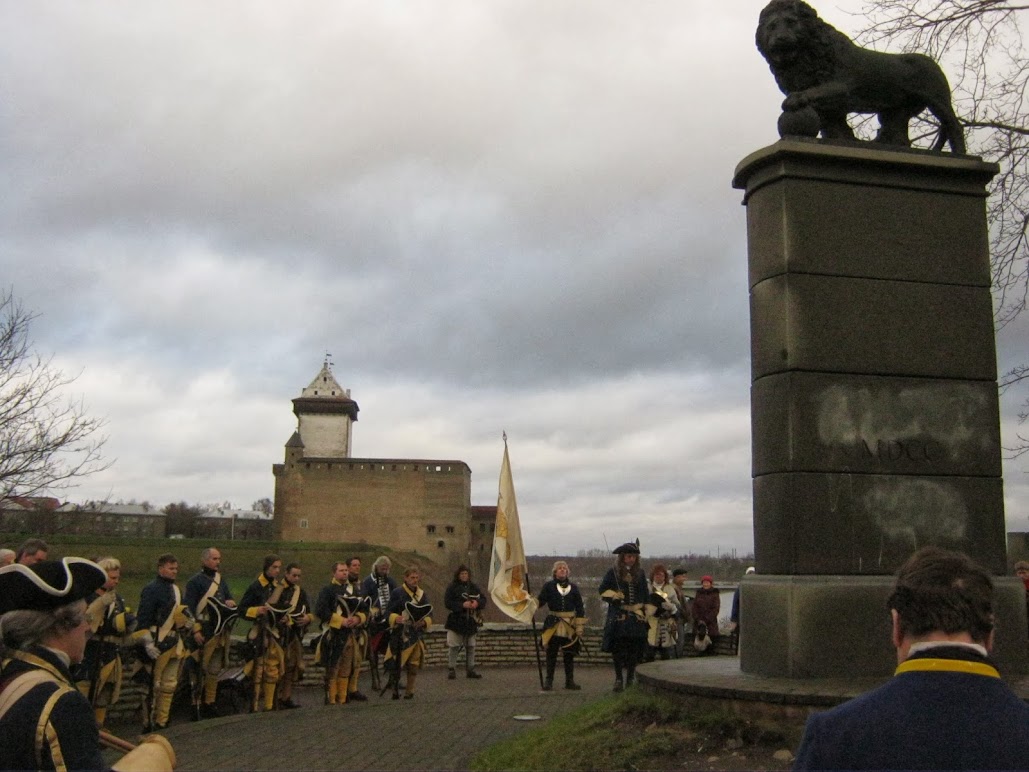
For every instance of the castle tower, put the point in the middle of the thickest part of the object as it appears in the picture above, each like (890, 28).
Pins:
(325, 417)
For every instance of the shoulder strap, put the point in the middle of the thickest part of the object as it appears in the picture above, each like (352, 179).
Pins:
(21, 686)
(169, 622)
(45, 731)
(212, 588)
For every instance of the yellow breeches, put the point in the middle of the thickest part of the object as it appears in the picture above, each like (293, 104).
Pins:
(214, 659)
(166, 679)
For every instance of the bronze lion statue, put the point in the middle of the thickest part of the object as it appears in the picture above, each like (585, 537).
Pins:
(826, 77)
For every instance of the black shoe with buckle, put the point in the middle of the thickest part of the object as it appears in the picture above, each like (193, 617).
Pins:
(473, 674)
(451, 674)
(357, 696)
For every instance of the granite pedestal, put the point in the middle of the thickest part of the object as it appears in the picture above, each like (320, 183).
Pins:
(875, 419)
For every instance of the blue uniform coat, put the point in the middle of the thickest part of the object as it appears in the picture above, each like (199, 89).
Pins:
(923, 720)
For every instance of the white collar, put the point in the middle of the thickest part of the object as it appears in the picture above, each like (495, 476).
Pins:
(61, 655)
(926, 645)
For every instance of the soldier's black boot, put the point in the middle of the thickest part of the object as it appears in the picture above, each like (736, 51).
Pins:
(570, 675)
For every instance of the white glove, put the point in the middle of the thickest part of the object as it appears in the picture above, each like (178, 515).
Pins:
(149, 646)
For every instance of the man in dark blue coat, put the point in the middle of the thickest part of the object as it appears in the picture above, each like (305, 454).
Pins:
(946, 706)
(45, 722)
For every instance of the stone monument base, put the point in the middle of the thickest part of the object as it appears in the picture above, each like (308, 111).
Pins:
(828, 626)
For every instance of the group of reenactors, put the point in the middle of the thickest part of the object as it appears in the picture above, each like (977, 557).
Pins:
(187, 634)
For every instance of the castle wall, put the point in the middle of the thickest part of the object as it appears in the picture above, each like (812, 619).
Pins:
(409, 505)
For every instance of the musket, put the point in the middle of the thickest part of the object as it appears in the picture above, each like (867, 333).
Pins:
(98, 666)
(148, 704)
(397, 637)
(115, 743)
(373, 663)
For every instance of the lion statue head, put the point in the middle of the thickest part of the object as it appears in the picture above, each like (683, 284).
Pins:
(797, 44)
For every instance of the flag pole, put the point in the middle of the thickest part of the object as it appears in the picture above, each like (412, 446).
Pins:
(509, 567)
(528, 589)
(535, 633)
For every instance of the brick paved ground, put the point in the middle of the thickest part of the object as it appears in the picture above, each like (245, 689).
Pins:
(443, 727)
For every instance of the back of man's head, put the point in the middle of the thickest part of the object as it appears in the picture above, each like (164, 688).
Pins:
(938, 590)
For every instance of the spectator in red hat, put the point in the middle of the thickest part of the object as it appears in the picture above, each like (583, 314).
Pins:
(706, 605)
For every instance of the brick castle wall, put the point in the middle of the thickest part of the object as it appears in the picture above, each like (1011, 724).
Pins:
(421, 506)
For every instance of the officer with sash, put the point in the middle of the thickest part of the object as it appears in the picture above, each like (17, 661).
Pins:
(163, 622)
(296, 620)
(45, 722)
(262, 603)
(624, 589)
(209, 598)
(564, 625)
(99, 675)
(343, 612)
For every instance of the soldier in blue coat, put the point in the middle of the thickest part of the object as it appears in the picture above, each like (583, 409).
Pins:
(45, 722)
(946, 706)
(99, 675)
(163, 621)
(209, 599)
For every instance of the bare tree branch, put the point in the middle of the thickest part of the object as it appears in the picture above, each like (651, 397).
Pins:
(980, 43)
(47, 441)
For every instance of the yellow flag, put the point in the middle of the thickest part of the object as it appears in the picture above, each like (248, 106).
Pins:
(508, 568)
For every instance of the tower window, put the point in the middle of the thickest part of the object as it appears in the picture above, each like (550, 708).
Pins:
(450, 529)
(440, 544)
(430, 529)
(303, 523)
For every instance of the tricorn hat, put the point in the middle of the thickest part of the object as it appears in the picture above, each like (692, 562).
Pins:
(632, 548)
(355, 603)
(48, 584)
(418, 612)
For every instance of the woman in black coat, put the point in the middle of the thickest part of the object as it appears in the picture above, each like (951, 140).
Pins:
(465, 602)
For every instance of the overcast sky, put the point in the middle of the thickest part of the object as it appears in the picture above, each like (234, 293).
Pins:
(495, 214)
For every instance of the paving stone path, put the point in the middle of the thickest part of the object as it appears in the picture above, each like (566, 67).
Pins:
(442, 728)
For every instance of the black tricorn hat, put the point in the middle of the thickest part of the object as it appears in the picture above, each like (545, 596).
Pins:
(633, 548)
(354, 603)
(48, 584)
(416, 612)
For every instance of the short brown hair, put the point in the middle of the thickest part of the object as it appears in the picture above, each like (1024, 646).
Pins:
(944, 591)
(166, 558)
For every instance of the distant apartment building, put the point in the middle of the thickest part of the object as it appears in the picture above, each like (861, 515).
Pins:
(228, 524)
(47, 516)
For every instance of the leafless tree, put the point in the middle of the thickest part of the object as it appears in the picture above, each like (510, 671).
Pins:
(263, 505)
(47, 441)
(980, 43)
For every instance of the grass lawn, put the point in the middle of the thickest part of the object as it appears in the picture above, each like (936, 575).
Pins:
(241, 560)
(638, 730)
